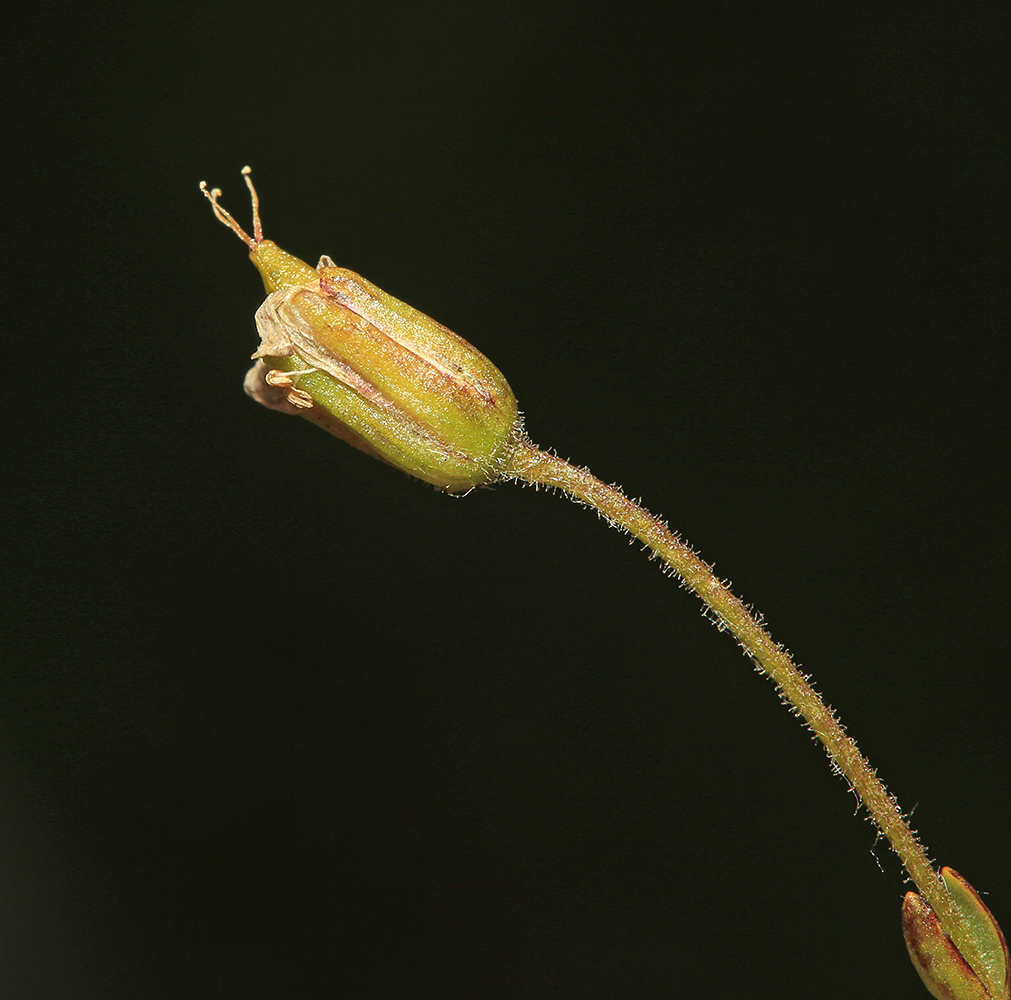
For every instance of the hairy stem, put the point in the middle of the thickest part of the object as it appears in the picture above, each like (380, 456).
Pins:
(530, 464)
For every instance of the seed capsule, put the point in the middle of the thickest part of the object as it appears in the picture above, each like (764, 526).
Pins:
(973, 963)
(374, 371)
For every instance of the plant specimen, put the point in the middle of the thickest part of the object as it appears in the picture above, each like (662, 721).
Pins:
(396, 384)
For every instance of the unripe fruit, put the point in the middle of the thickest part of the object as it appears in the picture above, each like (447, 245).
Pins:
(374, 371)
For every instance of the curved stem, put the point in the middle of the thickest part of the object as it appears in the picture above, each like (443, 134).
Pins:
(530, 464)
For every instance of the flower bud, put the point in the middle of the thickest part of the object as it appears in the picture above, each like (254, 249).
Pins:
(971, 964)
(373, 371)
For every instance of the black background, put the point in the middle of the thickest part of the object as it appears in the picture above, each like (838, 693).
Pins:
(278, 721)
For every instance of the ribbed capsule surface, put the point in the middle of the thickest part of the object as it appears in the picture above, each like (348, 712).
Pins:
(385, 377)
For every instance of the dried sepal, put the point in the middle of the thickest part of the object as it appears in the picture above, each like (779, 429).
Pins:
(973, 963)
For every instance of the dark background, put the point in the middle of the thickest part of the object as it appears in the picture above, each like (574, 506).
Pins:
(277, 721)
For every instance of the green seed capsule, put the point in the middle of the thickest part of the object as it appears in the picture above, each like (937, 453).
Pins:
(374, 371)
(973, 963)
